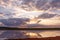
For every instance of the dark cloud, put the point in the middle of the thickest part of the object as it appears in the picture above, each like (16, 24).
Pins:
(27, 1)
(41, 4)
(38, 4)
(46, 15)
(5, 0)
(55, 3)
(14, 21)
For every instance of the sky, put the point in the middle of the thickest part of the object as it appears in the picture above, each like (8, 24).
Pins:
(50, 9)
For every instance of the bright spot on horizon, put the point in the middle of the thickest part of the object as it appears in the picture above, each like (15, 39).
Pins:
(32, 35)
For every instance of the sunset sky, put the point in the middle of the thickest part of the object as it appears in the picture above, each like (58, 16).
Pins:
(31, 9)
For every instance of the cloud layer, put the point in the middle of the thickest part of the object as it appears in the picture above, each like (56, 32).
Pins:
(16, 8)
(44, 9)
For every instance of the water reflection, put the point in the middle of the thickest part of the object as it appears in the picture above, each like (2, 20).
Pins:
(28, 33)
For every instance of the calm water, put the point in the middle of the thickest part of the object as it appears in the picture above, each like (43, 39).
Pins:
(28, 33)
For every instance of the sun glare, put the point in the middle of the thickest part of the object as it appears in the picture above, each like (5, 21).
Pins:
(34, 35)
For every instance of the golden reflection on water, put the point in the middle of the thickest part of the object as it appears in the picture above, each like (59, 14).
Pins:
(32, 35)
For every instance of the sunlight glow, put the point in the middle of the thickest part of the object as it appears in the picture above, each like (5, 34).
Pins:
(50, 22)
(32, 35)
